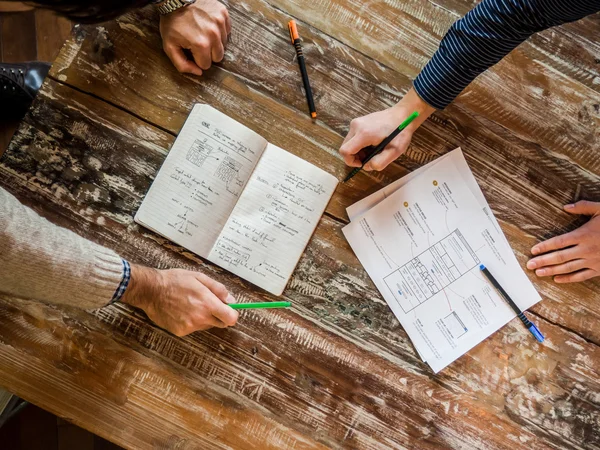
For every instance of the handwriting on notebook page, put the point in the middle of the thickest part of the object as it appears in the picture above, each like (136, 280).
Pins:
(201, 179)
(273, 219)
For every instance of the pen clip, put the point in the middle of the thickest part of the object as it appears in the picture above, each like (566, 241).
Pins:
(293, 31)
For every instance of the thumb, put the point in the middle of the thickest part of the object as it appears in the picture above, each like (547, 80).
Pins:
(180, 61)
(583, 207)
(350, 150)
(356, 144)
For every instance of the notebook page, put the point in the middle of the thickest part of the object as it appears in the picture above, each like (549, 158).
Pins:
(201, 179)
(274, 219)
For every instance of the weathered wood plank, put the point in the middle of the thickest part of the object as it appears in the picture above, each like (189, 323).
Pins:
(346, 375)
(525, 183)
(135, 400)
(51, 31)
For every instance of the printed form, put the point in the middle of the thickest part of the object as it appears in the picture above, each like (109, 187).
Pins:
(423, 245)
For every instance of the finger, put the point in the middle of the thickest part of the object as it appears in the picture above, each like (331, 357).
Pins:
(350, 135)
(553, 258)
(215, 287)
(213, 322)
(584, 207)
(224, 313)
(223, 29)
(201, 51)
(576, 277)
(181, 330)
(350, 149)
(568, 267)
(227, 24)
(218, 50)
(180, 61)
(558, 242)
(381, 161)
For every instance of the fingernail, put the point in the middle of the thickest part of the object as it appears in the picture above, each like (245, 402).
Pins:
(531, 264)
(570, 206)
(231, 299)
(535, 250)
(540, 272)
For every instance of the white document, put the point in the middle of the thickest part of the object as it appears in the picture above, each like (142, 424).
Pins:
(423, 245)
(229, 196)
(456, 156)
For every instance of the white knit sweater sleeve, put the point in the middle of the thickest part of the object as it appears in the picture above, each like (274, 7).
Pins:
(44, 262)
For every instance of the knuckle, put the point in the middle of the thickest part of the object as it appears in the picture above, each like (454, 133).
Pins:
(200, 44)
(219, 289)
(180, 331)
(213, 31)
(221, 19)
(231, 319)
(377, 165)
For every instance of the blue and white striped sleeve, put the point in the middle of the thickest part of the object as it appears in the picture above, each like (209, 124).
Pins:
(484, 36)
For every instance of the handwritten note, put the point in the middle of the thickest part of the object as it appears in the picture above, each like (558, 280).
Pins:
(273, 220)
(201, 179)
(227, 195)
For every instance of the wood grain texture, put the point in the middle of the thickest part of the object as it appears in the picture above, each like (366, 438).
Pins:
(51, 32)
(338, 371)
(15, 24)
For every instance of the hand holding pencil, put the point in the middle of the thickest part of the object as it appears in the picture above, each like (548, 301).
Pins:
(372, 129)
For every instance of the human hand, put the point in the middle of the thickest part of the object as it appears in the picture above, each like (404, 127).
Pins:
(180, 301)
(374, 128)
(573, 256)
(202, 28)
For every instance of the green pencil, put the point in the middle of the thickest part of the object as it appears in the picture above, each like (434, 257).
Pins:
(262, 305)
(377, 150)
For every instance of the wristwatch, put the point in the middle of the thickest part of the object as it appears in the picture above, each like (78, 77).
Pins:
(168, 6)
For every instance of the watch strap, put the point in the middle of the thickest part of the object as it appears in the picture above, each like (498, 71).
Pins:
(169, 6)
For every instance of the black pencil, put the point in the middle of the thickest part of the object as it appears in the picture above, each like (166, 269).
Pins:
(300, 54)
(528, 324)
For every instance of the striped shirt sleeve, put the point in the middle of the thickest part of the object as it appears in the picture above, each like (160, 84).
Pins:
(484, 36)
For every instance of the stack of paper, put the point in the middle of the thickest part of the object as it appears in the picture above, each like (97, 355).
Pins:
(422, 240)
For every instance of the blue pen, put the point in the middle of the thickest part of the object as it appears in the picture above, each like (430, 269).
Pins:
(530, 326)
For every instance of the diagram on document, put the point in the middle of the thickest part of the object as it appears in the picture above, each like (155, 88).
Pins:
(432, 271)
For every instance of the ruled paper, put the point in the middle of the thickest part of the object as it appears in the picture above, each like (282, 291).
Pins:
(274, 219)
(201, 179)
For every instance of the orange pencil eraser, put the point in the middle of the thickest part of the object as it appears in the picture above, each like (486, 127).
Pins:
(293, 30)
(313, 115)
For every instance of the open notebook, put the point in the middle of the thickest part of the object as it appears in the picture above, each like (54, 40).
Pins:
(228, 195)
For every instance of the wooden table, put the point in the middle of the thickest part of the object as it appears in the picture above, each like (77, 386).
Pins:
(338, 370)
